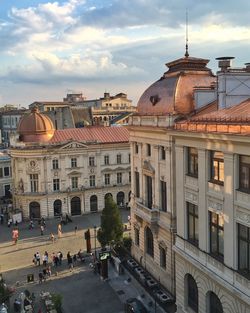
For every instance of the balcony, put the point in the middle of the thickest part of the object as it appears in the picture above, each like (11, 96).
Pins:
(149, 215)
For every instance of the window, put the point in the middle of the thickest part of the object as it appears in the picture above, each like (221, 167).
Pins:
(34, 182)
(55, 165)
(1, 172)
(192, 295)
(217, 167)
(216, 235)
(74, 182)
(193, 162)
(6, 171)
(129, 177)
(192, 217)
(91, 161)
(162, 153)
(163, 258)
(129, 158)
(163, 196)
(119, 178)
(149, 194)
(106, 159)
(137, 184)
(148, 150)
(244, 173)
(215, 305)
(149, 242)
(107, 179)
(244, 250)
(56, 184)
(119, 159)
(92, 180)
(73, 162)
(136, 148)
(137, 237)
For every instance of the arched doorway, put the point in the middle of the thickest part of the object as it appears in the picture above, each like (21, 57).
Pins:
(75, 206)
(120, 198)
(35, 211)
(93, 203)
(57, 207)
(192, 293)
(149, 242)
(214, 304)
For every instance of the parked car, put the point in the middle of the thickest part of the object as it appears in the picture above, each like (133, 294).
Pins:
(134, 305)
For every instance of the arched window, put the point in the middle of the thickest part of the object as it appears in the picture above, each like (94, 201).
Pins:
(93, 203)
(214, 303)
(120, 198)
(192, 293)
(57, 208)
(75, 206)
(149, 242)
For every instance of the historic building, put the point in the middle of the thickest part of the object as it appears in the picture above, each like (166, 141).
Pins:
(190, 161)
(67, 171)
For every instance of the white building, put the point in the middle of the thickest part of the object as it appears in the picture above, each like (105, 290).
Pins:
(68, 171)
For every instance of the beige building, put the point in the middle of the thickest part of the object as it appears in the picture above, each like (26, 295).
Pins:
(190, 164)
(68, 171)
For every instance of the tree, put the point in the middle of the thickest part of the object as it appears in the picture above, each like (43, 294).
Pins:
(111, 229)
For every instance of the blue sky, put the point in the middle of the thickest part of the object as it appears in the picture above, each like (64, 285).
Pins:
(50, 48)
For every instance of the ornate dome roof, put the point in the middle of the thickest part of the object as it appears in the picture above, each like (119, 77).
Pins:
(173, 92)
(35, 127)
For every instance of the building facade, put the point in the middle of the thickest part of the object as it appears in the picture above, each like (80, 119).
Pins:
(190, 207)
(68, 171)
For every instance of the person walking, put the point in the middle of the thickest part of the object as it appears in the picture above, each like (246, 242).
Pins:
(75, 229)
(59, 229)
(42, 229)
(15, 235)
(38, 258)
(52, 237)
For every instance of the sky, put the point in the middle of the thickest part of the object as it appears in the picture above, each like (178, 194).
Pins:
(51, 48)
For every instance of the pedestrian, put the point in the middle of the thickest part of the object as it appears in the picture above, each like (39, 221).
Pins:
(52, 237)
(34, 259)
(75, 229)
(44, 274)
(56, 260)
(59, 229)
(45, 260)
(40, 276)
(48, 271)
(53, 258)
(38, 258)
(60, 257)
(74, 259)
(42, 229)
(15, 235)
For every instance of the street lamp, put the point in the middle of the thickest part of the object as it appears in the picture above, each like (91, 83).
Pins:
(95, 239)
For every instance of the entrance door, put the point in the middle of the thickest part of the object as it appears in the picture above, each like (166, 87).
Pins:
(120, 199)
(76, 206)
(35, 211)
(93, 203)
(57, 208)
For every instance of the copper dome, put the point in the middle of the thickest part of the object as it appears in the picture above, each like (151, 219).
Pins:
(35, 127)
(173, 93)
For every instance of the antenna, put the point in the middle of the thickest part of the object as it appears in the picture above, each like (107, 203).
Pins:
(186, 53)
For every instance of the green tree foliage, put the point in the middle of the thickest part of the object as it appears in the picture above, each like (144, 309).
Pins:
(111, 224)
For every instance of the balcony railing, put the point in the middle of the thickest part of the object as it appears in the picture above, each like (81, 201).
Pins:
(149, 215)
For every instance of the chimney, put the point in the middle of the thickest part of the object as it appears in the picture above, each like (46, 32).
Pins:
(225, 63)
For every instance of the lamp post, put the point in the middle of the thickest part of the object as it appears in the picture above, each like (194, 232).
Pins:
(95, 239)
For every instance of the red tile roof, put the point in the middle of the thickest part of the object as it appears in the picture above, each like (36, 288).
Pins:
(97, 134)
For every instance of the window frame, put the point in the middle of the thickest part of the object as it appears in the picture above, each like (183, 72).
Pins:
(216, 254)
(219, 161)
(107, 179)
(192, 158)
(34, 183)
(149, 191)
(244, 271)
(191, 214)
(55, 164)
(163, 257)
(119, 158)
(162, 153)
(73, 162)
(56, 184)
(106, 159)
(164, 197)
(92, 180)
(247, 166)
(148, 150)
(119, 178)
(137, 184)
(137, 237)
(91, 161)
(74, 182)
(192, 294)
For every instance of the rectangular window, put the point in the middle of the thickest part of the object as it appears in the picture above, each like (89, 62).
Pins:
(149, 194)
(163, 258)
(216, 235)
(107, 179)
(129, 158)
(73, 162)
(192, 223)
(119, 178)
(137, 184)
(56, 184)
(7, 191)
(119, 159)
(193, 162)
(148, 150)
(6, 171)
(74, 182)
(129, 177)
(244, 250)
(217, 167)
(34, 182)
(244, 173)
(91, 161)
(162, 153)
(1, 172)
(137, 237)
(163, 186)
(92, 180)
(136, 148)
(106, 159)
(55, 165)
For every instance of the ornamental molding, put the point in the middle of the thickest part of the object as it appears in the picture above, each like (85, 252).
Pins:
(148, 168)
(214, 205)
(243, 217)
(191, 196)
(33, 167)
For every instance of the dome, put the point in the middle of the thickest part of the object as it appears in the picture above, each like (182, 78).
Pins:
(35, 127)
(173, 93)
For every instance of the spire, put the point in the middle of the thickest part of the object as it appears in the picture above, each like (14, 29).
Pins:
(186, 53)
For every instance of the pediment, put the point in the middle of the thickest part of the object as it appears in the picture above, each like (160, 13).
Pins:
(74, 173)
(74, 145)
